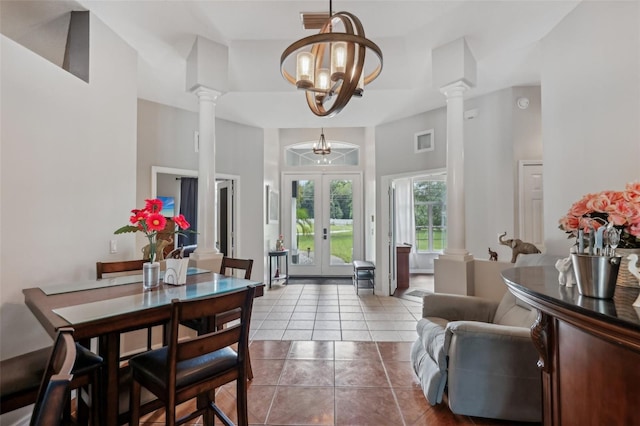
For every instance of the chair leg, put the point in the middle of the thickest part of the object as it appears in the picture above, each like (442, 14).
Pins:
(241, 402)
(170, 414)
(208, 418)
(96, 402)
(149, 338)
(249, 369)
(134, 404)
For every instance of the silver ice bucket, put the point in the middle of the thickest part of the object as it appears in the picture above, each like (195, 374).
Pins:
(596, 275)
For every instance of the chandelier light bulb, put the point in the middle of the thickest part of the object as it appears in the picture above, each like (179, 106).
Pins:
(304, 70)
(338, 60)
(324, 82)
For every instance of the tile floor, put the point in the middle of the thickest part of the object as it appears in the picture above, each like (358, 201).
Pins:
(323, 356)
(334, 383)
(332, 312)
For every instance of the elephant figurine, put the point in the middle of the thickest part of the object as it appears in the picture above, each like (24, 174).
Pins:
(517, 246)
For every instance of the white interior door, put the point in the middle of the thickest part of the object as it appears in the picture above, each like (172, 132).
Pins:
(530, 203)
(393, 282)
(323, 223)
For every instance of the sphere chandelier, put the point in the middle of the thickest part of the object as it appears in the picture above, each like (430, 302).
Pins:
(330, 65)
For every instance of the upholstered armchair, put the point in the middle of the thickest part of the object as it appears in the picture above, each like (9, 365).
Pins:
(481, 354)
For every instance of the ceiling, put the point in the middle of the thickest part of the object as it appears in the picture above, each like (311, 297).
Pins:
(502, 35)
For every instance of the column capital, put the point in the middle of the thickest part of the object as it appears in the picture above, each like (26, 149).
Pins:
(206, 94)
(455, 89)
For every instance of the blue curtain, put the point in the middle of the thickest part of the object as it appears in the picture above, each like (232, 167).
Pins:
(189, 209)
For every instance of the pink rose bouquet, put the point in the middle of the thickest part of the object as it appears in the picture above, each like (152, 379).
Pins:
(620, 209)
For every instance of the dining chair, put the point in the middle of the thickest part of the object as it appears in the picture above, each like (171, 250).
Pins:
(118, 266)
(22, 375)
(195, 366)
(229, 267)
(53, 391)
(103, 268)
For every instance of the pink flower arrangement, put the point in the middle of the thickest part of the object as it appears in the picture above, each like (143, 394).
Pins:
(620, 209)
(151, 222)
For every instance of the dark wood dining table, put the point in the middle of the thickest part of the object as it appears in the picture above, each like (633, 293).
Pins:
(104, 309)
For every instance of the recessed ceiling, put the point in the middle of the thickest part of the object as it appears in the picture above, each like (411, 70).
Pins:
(502, 35)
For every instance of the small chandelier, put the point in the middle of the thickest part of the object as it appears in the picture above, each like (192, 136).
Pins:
(333, 67)
(322, 147)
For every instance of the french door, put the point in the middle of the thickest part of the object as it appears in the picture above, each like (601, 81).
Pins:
(323, 222)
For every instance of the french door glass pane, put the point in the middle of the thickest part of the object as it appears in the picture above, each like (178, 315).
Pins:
(304, 222)
(341, 221)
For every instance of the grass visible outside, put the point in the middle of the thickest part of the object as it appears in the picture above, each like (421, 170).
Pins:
(341, 242)
(423, 240)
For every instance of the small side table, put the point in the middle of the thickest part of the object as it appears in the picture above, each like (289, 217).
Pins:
(277, 254)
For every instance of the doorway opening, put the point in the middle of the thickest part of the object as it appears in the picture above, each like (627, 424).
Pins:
(165, 181)
(416, 224)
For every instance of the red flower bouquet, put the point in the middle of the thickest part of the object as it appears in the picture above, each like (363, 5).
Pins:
(150, 221)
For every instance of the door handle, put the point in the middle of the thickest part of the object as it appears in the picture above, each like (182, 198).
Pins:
(324, 233)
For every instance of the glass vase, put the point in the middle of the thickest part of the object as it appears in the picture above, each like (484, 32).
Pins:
(150, 275)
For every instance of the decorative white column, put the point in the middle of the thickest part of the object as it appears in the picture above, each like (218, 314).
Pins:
(455, 170)
(207, 210)
(453, 270)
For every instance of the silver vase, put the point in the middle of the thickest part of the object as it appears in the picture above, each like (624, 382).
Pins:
(596, 275)
(150, 275)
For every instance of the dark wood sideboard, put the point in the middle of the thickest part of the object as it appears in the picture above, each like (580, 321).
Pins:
(402, 259)
(589, 349)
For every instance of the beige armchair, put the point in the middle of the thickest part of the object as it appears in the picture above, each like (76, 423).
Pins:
(481, 353)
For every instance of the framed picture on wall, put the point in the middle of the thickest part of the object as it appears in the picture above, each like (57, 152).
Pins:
(273, 206)
(168, 206)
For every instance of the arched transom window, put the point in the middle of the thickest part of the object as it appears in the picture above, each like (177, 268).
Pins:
(342, 153)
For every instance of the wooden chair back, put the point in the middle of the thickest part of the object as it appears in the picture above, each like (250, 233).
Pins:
(223, 368)
(120, 266)
(52, 395)
(230, 265)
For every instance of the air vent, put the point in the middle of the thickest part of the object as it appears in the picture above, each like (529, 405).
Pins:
(313, 20)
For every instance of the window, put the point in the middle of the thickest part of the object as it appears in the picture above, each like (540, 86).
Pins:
(342, 154)
(430, 215)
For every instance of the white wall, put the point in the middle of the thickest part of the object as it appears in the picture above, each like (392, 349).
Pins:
(395, 144)
(370, 200)
(590, 107)
(272, 159)
(67, 173)
(500, 136)
(165, 138)
(240, 151)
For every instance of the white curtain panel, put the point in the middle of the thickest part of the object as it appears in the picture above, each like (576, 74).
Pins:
(405, 224)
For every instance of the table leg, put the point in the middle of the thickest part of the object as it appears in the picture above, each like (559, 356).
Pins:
(286, 261)
(109, 349)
